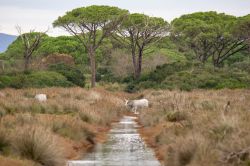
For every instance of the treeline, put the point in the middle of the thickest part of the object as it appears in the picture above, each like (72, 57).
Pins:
(199, 50)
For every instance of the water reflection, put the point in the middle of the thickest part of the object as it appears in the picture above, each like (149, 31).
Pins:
(124, 147)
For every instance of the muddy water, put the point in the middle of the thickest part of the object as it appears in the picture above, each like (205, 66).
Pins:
(124, 147)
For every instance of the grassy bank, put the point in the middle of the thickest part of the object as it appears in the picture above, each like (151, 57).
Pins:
(197, 128)
(64, 127)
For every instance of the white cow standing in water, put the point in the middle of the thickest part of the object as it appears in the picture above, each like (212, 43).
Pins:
(41, 97)
(134, 104)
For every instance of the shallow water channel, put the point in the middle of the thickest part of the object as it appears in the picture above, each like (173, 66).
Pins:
(124, 147)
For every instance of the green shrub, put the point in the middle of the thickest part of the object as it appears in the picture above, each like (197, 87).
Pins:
(130, 79)
(72, 74)
(173, 55)
(232, 84)
(46, 78)
(186, 87)
(243, 66)
(19, 81)
(209, 84)
(176, 116)
(105, 74)
(34, 79)
(161, 72)
(131, 88)
(4, 141)
(187, 76)
(5, 81)
(149, 84)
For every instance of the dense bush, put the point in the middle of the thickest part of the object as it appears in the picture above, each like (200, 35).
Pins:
(131, 88)
(5, 81)
(188, 76)
(72, 74)
(165, 70)
(34, 79)
(106, 75)
(44, 79)
(243, 66)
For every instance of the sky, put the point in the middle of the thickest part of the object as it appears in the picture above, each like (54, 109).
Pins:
(39, 14)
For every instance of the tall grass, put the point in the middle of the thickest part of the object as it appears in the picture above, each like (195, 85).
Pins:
(37, 144)
(72, 117)
(4, 140)
(199, 127)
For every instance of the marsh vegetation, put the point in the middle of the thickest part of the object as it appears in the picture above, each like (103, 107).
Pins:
(194, 71)
(199, 127)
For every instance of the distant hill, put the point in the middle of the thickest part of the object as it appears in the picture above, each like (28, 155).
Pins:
(5, 41)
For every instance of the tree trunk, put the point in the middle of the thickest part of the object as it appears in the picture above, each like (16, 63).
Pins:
(215, 60)
(91, 53)
(134, 62)
(139, 64)
(203, 58)
(26, 63)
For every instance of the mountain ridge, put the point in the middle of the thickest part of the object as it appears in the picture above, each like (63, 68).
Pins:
(5, 41)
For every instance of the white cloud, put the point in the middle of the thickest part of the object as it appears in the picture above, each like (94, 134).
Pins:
(28, 19)
(39, 14)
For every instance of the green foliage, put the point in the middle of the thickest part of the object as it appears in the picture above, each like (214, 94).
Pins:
(91, 19)
(105, 75)
(190, 37)
(5, 81)
(16, 49)
(142, 21)
(138, 31)
(44, 79)
(34, 79)
(163, 71)
(131, 88)
(50, 45)
(191, 25)
(238, 57)
(90, 15)
(243, 66)
(166, 43)
(208, 34)
(241, 28)
(173, 55)
(91, 25)
(63, 45)
(72, 74)
(187, 76)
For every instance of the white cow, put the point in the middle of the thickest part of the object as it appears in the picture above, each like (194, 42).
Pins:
(41, 97)
(134, 104)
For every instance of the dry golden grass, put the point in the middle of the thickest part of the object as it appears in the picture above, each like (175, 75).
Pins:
(198, 128)
(74, 118)
(37, 144)
(6, 161)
